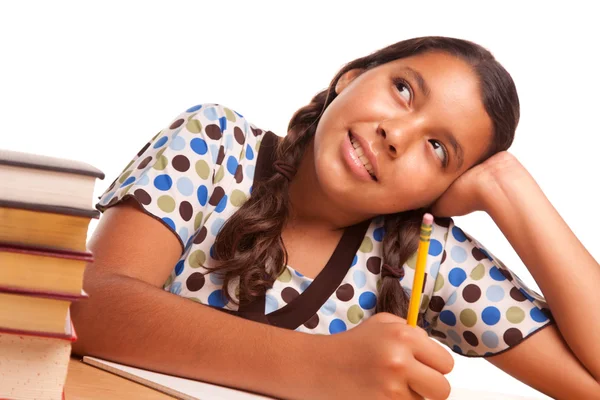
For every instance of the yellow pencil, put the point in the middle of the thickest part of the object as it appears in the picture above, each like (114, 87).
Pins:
(417, 288)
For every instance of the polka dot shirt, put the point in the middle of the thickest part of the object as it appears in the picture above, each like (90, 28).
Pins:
(194, 174)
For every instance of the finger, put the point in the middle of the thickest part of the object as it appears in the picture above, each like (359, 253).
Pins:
(428, 382)
(432, 354)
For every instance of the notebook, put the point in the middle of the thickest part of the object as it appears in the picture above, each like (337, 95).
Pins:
(187, 389)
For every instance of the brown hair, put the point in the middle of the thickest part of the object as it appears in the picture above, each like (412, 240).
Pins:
(249, 244)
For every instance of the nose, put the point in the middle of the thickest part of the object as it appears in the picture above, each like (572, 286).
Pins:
(398, 134)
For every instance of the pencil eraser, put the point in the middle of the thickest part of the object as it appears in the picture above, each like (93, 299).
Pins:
(428, 219)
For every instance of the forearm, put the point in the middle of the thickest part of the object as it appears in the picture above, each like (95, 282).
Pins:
(565, 271)
(132, 322)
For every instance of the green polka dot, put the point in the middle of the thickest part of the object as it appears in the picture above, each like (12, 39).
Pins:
(124, 176)
(129, 165)
(439, 283)
(367, 245)
(155, 136)
(169, 281)
(160, 152)
(412, 261)
(166, 203)
(355, 314)
(468, 317)
(285, 276)
(198, 221)
(194, 126)
(478, 272)
(207, 216)
(378, 285)
(243, 153)
(126, 189)
(197, 259)
(424, 303)
(192, 116)
(194, 299)
(257, 146)
(161, 163)
(229, 114)
(472, 353)
(446, 237)
(202, 169)
(515, 315)
(237, 198)
(219, 175)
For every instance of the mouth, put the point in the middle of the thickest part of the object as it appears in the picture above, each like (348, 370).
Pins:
(364, 155)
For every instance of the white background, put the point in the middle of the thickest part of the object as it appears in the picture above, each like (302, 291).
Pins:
(95, 81)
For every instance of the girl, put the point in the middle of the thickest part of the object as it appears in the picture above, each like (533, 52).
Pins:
(317, 233)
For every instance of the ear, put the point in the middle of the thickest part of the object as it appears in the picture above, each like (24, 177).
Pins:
(347, 78)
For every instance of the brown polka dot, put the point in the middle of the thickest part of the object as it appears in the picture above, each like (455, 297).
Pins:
(506, 274)
(438, 334)
(199, 238)
(185, 210)
(443, 221)
(512, 336)
(478, 254)
(239, 175)
(142, 196)
(471, 293)
(256, 132)
(217, 195)
(145, 162)
(289, 294)
(437, 303)
(143, 149)
(312, 322)
(443, 257)
(547, 313)
(374, 265)
(213, 131)
(177, 123)
(345, 292)
(181, 163)
(471, 338)
(239, 135)
(195, 281)
(517, 295)
(221, 155)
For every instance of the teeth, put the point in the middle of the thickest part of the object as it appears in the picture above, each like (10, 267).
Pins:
(361, 156)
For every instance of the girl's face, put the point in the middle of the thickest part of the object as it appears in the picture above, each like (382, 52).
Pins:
(398, 135)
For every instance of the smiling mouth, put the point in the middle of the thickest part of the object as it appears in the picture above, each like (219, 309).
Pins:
(361, 156)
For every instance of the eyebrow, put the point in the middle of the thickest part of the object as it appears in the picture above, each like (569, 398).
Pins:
(424, 88)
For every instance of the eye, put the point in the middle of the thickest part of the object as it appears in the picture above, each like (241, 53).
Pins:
(441, 151)
(404, 89)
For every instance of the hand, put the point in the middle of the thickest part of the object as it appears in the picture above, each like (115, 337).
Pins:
(470, 191)
(384, 358)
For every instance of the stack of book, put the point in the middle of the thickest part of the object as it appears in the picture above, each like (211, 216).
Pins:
(45, 211)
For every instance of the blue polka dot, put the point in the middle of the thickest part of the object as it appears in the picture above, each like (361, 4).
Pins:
(211, 251)
(454, 336)
(223, 123)
(457, 276)
(435, 247)
(144, 180)
(537, 315)
(490, 339)
(202, 194)
(175, 132)
(328, 308)
(337, 326)
(222, 204)
(490, 315)
(210, 113)
(176, 288)
(179, 268)
(378, 234)
(367, 300)
(216, 226)
(458, 254)
(107, 197)
(495, 293)
(160, 142)
(169, 222)
(448, 318)
(238, 114)
(458, 234)
(217, 299)
(360, 279)
(216, 278)
(486, 254)
(195, 108)
(434, 269)
(452, 299)
(271, 304)
(183, 234)
(199, 146)
(214, 152)
(163, 182)
(128, 181)
(298, 273)
(354, 261)
(526, 295)
(177, 143)
(304, 285)
(249, 152)
(229, 142)
(250, 171)
(232, 165)
(185, 186)
(457, 349)
(496, 274)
